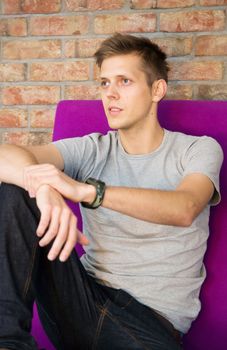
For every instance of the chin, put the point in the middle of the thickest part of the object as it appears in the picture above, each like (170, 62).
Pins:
(115, 123)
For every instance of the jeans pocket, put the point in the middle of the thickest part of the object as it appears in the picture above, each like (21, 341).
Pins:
(112, 330)
(124, 323)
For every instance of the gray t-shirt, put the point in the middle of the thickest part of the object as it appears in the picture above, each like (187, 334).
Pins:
(160, 265)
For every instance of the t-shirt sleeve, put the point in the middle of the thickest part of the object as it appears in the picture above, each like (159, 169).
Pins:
(79, 155)
(205, 156)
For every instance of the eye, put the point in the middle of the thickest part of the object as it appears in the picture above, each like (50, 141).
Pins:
(126, 81)
(104, 83)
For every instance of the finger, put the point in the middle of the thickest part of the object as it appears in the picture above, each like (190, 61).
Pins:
(81, 238)
(61, 237)
(30, 185)
(71, 241)
(53, 227)
(36, 175)
(43, 170)
(44, 221)
(31, 191)
(27, 182)
(36, 167)
(36, 179)
(25, 179)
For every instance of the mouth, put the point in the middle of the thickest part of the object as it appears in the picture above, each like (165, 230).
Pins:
(113, 110)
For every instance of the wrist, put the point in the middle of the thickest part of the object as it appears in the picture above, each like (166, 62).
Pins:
(89, 193)
(93, 202)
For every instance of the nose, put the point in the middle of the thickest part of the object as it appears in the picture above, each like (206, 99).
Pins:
(112, 92)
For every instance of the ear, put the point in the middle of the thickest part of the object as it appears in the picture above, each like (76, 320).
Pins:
(158, 90)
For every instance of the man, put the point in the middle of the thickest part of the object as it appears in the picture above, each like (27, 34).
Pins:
(137, 286)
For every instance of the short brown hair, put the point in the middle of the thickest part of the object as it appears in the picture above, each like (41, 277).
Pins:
(153, 58)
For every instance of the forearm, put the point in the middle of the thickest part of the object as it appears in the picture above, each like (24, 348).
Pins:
(13, 159)
(162, 207)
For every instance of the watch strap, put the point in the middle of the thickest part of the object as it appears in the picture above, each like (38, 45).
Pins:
(100, 191)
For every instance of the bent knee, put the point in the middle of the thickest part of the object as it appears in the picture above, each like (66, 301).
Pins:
(12, 197)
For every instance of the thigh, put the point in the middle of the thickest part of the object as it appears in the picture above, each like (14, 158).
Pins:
(127, 324)
(67, 299)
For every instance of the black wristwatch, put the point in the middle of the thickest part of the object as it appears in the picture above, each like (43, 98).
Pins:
(100, 191)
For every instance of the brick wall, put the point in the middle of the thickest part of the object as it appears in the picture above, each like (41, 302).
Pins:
(46, 52)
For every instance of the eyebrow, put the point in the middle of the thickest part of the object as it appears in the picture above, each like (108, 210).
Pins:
(117, 76)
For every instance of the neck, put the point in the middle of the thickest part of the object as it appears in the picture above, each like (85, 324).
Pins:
(142, 139)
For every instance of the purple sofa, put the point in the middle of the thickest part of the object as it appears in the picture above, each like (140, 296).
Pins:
(76, 118)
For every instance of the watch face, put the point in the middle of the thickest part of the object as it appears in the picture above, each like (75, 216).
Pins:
(100, 191)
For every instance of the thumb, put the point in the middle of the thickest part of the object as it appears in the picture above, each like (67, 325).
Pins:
(81, 238)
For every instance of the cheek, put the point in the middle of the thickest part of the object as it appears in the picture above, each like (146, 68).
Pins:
(104, 100)
(132, 97)
(139, 100)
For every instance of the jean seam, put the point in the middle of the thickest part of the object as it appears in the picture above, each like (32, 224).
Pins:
(29, 275)
(128, 303)
(126, 330)
(103, 311)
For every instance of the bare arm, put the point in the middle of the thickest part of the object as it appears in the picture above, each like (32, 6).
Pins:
(177, 208)
(13, 160)
(57, 224)
(32, 166)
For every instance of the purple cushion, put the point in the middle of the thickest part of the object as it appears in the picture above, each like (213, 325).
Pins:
(77, 118)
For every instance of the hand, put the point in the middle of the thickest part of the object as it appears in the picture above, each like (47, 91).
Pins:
(39, 174)
(57, 224)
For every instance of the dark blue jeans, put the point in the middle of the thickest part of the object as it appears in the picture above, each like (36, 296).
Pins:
(76, 312)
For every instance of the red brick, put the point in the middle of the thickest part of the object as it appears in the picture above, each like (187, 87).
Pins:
(175, 46)
(192, 21)
(70, 48)
(13, 27)
(179, 92)
(59, 71)
(136, 22)
(12, 72)
(175, 3)
(3, 27)
(214, 45)
(30, 49)
(143, 4)
(24, 138)
(29, 95)
(213, 2)
(205, 70)
(96, 72)
(59, 25)
(92, 5)
(82, 92)
(31, 6)
(11, 6)
(42, 118)
(81, 47)
(212, 92)
(13, 118)
(87, 47)
(148, 4)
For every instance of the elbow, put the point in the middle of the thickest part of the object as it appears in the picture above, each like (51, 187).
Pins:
(186, 221)
(188, 214)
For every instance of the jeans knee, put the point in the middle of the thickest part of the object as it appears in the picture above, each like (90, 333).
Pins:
(13, 198)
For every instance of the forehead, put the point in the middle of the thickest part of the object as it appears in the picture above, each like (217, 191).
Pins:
(121, 65)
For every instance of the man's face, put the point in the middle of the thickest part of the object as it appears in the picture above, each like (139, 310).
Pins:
(126, 96)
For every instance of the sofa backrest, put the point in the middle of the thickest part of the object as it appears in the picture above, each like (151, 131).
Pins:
(77, 118)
